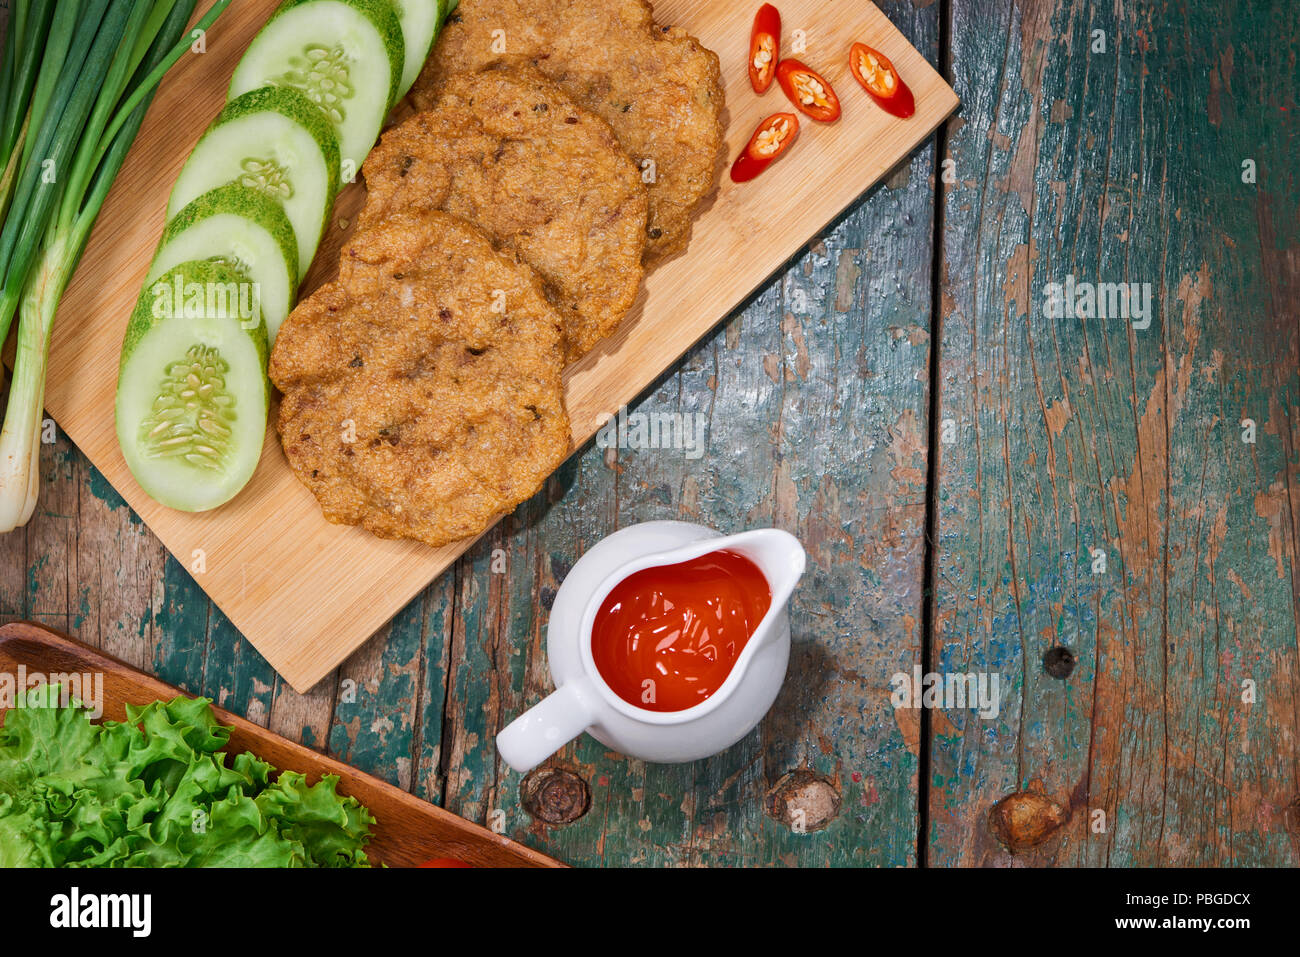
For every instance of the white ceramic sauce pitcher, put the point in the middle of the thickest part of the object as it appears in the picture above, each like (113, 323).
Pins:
(583, 701)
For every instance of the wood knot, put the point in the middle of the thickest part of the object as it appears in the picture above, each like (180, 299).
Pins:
(1291, 817)
(554, 795)
(1059, 662)
(804, 801)
(1025, 819)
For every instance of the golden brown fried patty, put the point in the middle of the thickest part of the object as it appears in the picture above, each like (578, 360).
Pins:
(506, 150)
(658, 88)
(422, 391)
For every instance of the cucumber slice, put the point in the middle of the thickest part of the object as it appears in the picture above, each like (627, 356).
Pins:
(245, 228)
(346, 56)
(274, 140)
(192, 392)
(421, 20)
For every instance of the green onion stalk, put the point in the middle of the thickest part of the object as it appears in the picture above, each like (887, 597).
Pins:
(29, 27)
(64, 134)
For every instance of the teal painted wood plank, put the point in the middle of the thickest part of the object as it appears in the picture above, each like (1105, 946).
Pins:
(1077, 440)
(197, 647)
(498, 639)
(90, 567)
(376, 700)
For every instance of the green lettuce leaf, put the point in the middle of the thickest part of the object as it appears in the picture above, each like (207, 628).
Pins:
(159, 790)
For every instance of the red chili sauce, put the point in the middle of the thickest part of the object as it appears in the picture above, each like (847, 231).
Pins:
(666, 638)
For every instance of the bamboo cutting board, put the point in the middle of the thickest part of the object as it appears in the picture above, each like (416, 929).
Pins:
(307, 593)
(407, 831)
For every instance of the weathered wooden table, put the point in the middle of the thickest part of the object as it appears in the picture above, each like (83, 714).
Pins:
(1103, 512)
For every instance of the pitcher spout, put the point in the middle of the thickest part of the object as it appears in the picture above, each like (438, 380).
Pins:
(781, 559)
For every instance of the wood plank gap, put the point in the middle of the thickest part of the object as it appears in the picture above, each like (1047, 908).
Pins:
(444, 738)
(417, 714)
(930, 560)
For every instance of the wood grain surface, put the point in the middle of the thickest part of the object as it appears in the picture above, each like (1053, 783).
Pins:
(1108, 143)
(1119, 165)
(307, 593)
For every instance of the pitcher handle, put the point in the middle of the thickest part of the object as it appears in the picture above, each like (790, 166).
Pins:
(548, 726)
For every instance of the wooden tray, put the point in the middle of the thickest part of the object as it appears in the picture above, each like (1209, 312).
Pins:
(408, 831)
(307, 593)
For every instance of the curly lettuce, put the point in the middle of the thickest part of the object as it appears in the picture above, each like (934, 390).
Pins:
(158, 790)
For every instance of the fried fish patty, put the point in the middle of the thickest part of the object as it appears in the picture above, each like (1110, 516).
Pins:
(658, 88)
(508, 151)
(422, 392)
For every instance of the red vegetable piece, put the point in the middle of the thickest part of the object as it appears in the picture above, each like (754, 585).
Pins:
(876, 74)
(764, 48)
(809, 91)
(770, 141)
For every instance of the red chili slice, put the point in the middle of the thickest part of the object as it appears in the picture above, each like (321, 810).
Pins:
(770, 141)
(873, 70)
(809, 91)
(764, 47)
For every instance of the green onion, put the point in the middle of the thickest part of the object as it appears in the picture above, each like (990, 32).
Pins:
(64, 134)
(25, 40)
